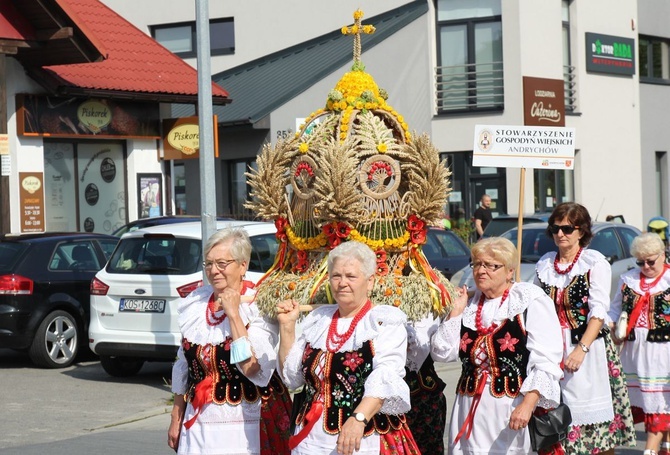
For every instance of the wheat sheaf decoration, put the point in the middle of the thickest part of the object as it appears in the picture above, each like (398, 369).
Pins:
(352, 172)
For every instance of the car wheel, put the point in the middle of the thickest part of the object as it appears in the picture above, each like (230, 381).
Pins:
(56, 341)
(121, 367)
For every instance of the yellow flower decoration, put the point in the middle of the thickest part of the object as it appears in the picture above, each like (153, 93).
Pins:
(303, 147)
(382, 148)
(358, 14)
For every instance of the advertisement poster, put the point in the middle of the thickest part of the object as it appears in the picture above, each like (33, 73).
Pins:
(101, 194)
(59, 187)
(151, 189)
(31, 195)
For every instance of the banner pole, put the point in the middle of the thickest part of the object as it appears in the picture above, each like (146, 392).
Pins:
(519, 231)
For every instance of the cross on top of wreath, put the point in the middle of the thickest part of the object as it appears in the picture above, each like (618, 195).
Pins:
(356, 30)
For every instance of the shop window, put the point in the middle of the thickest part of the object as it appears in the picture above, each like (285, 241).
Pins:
(470, 72)
(552, 186)
(179, 179)
(181, 39)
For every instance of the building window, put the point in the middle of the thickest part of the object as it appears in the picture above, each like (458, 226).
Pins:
(569, 71)
(661, 182)
(470, 72)
(181, 38)
(653, 58)
(552, 187)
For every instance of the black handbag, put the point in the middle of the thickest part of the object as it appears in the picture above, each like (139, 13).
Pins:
(550, 428)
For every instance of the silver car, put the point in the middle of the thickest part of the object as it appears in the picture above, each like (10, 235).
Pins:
(611, 239)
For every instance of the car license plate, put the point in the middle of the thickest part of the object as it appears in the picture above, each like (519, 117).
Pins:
(142, 305)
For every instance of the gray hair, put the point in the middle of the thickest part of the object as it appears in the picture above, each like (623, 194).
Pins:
(499, 248)
(240, 244)
(354, 250)
(647, 244)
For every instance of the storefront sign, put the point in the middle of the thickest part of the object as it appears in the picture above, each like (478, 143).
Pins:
(31, 194)
(40, 115)
(610, 54)
(543, 102)
(524, 147)
(182, 138)
(4, 144)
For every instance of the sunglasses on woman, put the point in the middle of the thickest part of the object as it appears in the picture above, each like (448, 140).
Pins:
(566, 228)
(649, 262)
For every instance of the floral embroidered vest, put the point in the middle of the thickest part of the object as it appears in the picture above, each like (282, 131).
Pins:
(426, 379)
(658, 314)
(342, 387)
(507, 357)
(230, 385)
(573, 307)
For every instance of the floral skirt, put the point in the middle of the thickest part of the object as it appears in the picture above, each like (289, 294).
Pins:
(598, 437)
(275, 423)
(428, 416)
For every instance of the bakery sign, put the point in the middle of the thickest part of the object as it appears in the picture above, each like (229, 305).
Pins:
(543, 101)
(610, 54)
(181, 138)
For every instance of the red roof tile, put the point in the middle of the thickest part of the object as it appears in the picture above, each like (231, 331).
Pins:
(134, 61)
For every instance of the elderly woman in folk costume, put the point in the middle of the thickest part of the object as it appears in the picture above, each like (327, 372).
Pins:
(509, 342)
(357, 174)
(641, 308)
(578, 280)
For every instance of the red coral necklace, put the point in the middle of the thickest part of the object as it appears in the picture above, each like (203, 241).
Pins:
(566, 271)
(335, 340)
(213, 319)
(645, 286)
(481, 330)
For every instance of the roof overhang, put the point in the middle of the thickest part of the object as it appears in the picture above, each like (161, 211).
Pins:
(43, 33)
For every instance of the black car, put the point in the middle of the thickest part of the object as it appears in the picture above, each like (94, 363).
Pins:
(445, 251)
(44, 292)
(158, 220)
(503, 223)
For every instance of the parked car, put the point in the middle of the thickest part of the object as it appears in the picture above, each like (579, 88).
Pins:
(445, 251)
(134, 298)
(157, 221)
(44, 292)
(503, 223)
(611, 239)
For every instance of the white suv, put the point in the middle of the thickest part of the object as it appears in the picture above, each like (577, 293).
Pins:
(134, 298)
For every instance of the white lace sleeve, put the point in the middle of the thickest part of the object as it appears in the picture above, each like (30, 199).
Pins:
(388, 364)
(180, 373)
(292, 372)
(419, 334)
(599, 289)
(446, 340)
(545, 343)
(263, 338)
(616, 305)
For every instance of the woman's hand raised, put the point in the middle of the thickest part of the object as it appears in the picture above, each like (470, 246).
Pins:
(288, 312)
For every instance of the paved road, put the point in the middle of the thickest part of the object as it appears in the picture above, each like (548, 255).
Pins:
(82, 411)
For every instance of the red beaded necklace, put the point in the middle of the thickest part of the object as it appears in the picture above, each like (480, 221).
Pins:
(481, 330)
(644, 286)
(213, 319)
(335, 340)
(566, 271)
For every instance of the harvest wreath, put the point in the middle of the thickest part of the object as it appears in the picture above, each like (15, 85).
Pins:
(354, 173)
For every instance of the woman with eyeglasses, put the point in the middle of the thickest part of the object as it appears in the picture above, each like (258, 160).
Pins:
(578, 280)
(641, 307)
(228, 398)
(509, 342)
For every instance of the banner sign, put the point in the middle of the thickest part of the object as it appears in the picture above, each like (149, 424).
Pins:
(538, 147)
(40, 115)
(610, 54)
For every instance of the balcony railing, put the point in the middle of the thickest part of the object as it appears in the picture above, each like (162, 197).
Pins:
(570, 84)
(476, 86)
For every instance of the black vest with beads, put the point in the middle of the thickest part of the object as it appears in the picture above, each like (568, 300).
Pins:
(507, 356)
(658, 313)
(344, 374)
(230, 385)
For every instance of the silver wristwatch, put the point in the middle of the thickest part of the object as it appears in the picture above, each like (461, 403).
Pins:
(360, 417)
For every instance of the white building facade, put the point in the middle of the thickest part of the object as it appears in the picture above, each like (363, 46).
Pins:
(454, 65)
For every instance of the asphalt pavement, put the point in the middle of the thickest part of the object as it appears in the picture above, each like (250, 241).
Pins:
(110, 415)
